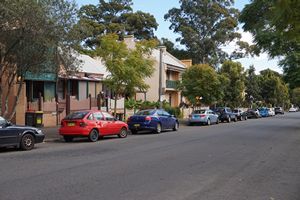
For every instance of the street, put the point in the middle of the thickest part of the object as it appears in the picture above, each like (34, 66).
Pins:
(257, 159)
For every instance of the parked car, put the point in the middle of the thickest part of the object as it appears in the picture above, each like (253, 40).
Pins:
(225, 114)
(24, 137)
(264, 112)
(241, 115)
(253, 113)
(279, 110)
(293, 109)
(91, 124)
(271, 112)
(155, 120)
(205, 116)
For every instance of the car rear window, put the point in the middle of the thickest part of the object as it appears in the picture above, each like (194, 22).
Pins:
(199, 112)
(76, 115)
(145, 112)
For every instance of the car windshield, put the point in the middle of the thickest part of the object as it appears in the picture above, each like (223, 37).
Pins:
(199, 112)
(235, 111)
(145, 112)
(77, 115)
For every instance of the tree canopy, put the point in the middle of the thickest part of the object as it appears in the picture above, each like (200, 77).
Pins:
(113, 16)
(205, 26)
(128, 67)
(201, 83)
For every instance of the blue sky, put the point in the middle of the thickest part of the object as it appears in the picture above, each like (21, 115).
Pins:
(159, 8)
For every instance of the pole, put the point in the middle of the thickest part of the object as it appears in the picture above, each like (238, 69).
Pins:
(160, 75)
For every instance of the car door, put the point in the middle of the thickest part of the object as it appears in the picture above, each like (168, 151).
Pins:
(8, 136)
(212, 116)
(163, 119)
(111, 125)
(101, 123)
(169, 119)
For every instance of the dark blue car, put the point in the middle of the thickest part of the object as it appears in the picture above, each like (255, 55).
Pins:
(155, 120)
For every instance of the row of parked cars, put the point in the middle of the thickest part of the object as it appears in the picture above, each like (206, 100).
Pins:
(225, 114)
(97, 124)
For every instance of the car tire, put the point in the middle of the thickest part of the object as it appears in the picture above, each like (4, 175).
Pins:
(208, 122)
(133, 132)
(158, 128)
(176, 126)
(93, 135)
(228, 120)
(123, 133)
(235, 119)
(27, 142)
(68, 138)
(218, 121)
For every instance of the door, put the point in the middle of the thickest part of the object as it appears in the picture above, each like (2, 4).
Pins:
(111, 125)
(8, 136)
(101, 123)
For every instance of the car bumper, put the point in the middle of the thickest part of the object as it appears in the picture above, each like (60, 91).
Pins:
(141, 126)
(74, 131)
(39, 138)
(198, 120)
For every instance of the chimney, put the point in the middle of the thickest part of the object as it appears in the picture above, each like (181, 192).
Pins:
(129, 41)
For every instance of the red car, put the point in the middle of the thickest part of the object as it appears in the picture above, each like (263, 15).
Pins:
(91, 124)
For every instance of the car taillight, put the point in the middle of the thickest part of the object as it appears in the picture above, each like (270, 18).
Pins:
(128, 119)
(148, 118)
(202, 115)
(82, 124)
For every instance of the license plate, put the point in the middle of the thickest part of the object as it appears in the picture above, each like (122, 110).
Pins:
(136, 125)
(71, 124)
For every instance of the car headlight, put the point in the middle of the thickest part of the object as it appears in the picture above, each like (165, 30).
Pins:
(39, 131)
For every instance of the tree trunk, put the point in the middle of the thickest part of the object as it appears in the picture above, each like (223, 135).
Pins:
(14, 107)
(115, 107)
(10, 81)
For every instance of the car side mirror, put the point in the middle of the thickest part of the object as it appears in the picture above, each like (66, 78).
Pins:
(171, 116)
(8, 123)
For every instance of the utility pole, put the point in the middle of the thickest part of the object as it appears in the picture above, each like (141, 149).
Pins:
(161, 49)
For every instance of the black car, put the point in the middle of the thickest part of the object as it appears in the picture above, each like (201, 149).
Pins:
(253, 113)
(225, 114)
(23, 137)
(279, 110)
(241, 115)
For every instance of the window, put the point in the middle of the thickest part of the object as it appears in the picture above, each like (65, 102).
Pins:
(108, 116)
(145, 112)
(76, 115)
(90, 117)
(166, 114)
(98, 116)
(2, 121)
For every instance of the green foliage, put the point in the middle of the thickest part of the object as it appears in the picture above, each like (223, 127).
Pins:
(201, 81)
(128, 67)
(296, 96)
(114, 16)
(252, 86)
(235, 87)
(275, 27)
(205, 26)
(180, 54)
(273, 89)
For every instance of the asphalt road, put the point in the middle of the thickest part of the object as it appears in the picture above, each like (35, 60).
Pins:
(253, 160)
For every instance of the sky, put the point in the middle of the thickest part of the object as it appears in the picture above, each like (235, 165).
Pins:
(158, 8)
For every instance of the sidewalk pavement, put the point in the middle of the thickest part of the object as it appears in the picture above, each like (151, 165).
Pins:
(51, 133)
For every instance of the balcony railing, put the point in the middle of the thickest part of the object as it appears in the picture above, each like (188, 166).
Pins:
(171, 84)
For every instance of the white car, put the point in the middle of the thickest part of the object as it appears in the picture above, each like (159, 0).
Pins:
(271, 111)
(293, 109)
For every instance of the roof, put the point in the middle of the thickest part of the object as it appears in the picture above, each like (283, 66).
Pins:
(169, 59)
(91, 65)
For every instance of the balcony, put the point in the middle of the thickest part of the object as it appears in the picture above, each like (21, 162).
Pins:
(171, 84)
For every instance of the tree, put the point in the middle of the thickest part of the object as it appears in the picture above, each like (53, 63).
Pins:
(252, 85)
(27, 45)
(128, 67)
(275, 28)
(114, 16)
(205, 26)
(273, 89)
(296, 96)
(201, 82)
(234, 91)
(181, 54)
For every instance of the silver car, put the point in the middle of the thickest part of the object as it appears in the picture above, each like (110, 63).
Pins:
(205, 116)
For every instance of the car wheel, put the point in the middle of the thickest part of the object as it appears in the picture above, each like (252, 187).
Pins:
(68, 138)
(228, 119)
(208, 122)
(246, 117)
(93, 136)
(158, 128)
(235, 119)
(123, 133)
(27, 142)
(218, 121)
(176, 126)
